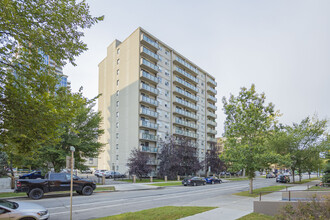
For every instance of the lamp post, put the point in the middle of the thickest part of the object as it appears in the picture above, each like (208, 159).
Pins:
(72, 149)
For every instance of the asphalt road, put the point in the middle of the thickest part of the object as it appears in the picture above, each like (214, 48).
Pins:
(112, 203)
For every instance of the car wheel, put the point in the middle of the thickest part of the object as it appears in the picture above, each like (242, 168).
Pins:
(87, 191)
(36, 193)
(212, 182)
(194, 184)
(79, 192)
(204, 183)
(28, 218)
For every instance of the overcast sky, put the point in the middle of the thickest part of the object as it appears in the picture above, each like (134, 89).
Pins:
(281, 46)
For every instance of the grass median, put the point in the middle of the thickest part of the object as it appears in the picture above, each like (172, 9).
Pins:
(236, 178)
(256, 192)
(305, 180)
(161, 213)
(173, 183)
(256, 216)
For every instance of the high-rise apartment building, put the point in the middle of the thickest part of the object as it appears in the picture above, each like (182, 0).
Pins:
(150, 92)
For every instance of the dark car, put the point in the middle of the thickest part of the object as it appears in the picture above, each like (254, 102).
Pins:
(282, 179)
(53, 182)
(270, 175)
(33, 175)
(194, 181)
(213, 180)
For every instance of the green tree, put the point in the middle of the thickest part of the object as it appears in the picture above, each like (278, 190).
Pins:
(31, 105)
(249, 121)
(138, 164)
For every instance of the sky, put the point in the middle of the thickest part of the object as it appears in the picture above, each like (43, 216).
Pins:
(281, 46)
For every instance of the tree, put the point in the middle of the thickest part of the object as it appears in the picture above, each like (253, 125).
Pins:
(213, 160)
(326, 176)
(138, 164)
(248, 123)
(3, 163)
(31, 105)
(178, 156)
(303, 144)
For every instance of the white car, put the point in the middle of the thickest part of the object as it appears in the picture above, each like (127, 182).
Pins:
(100, 173)
(22, 210)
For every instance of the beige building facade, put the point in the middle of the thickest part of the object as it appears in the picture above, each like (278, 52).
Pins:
(150, 92)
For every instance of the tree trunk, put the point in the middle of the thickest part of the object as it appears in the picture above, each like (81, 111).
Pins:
(309, 175)
(251, 185)
(299, 175)
(293, 180)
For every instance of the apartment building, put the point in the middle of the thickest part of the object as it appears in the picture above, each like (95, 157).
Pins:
(150, 92)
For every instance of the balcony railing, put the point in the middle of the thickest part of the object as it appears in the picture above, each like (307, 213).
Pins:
(214, 99)
(209, 80)
(185, 113)
(187, 104)
(184, 63)
(149, 149)
(184, 123)
(150, 65)
(211, 131)
(211, 114)
(184, 73)
(149, 76)
(149, 137)
(211, 106)
(148, 112)
(193, 97)
(152, 162)
(149, 88)
(185, 133)
(149, 125)
(149, 100)
(209, 139)
(186, 84)
(152, 42)
(213, 123)
(212, 90)
(150, 53)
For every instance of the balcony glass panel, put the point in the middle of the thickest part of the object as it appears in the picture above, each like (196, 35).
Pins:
(186, 94)
(149, 100)
(149, 112)
(152, 42)
(194, 69)
(149, 76)
(150, 53)
(185, 113)
(184, 123)
(150, 137)
(149, 124)
(212, 90)
(212, 98)
(186, 84)
(185, 103)
(149, 64)
(149, 88)
(186, 74)
(212, 81)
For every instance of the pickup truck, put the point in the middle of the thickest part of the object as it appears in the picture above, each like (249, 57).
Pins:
(33, 175)
(35, 188)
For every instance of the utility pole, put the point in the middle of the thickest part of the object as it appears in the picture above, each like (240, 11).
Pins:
(72, 149)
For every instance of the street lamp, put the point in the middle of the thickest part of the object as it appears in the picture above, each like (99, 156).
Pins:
(72, 149)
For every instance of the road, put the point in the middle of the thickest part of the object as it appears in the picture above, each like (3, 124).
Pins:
(112, 203)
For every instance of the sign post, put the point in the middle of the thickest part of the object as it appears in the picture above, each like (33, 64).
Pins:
(72, 149)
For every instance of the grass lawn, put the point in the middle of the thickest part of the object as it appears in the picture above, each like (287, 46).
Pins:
(319, 188)
(161, 213)
(11, 194)
(256, 216)
(110, 188)
(236, 178)
(173, 183)
(145, 180)
(256, 192)
(305, 180)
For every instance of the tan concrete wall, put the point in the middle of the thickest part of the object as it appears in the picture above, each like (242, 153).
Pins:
(304, 195)
(271, 207)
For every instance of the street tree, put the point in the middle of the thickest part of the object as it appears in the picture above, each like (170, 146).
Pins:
(213, 161)
(32, 32)
(249, 121)
(138, 163)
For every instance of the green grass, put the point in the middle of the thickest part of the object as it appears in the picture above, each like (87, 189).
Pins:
(173, 183)
(237, 178)
(256, 216)
(110, 188)
(145, 180)
(11, 194)
(256, 192)
(319, 188)
(305, 180)
(161, 213)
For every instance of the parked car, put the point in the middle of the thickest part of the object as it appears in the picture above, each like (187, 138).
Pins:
(88, 171)
(213, 180)
(270, 175)
(35, 189)
(22, 210)
(194, 181)
(283, 179)
(99, 173)
(33, 175)
(113, 174)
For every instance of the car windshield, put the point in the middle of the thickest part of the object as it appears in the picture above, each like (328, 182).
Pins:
(8, 204)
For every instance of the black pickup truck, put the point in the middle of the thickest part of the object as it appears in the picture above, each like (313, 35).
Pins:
(53, 182)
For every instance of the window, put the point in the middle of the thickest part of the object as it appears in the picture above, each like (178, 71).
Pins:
(167, 73)
(202, 84)
(117, 135)
(117, 72)
(117, 146)
(167, 52)
(166, 105)
(117, 104)
(118, 51)
(118, 82)
(167, 83)
(167, 62)
(117, 93)
(117, 157)
(117, 125)
(160, 79)
(160, 69)
(202, 91)
(118, 61)
(117, 114)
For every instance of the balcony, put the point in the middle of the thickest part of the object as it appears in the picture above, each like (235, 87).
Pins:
(210, 139)
(152, 162)
(149, 77)
(147, 124)
(213, 91)
(211, 106)
(149, 101)
(211, 98)
(186, 94)
(185, 84)
(149, 66)
(185, 114)
(211, 131)
(184, 123)
(148, 137)
(212, 82)
(186, 104)
(186, 65)
(149, 42)
(145, 111)
(211, 114)
(149, 89)
(185, 74)
(213, 123)
(149, 149)
(185, 133)
(149, 54)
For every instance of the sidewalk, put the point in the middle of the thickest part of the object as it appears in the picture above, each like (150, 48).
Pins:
(231, 208)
